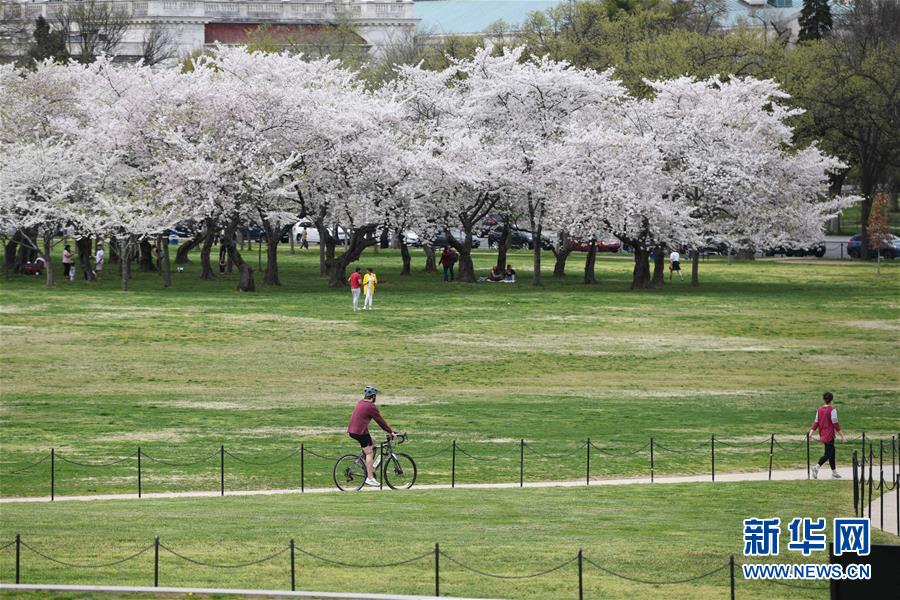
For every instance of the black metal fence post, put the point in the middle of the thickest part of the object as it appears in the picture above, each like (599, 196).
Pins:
(712, 441)
(893, 457)
(521, 462)
(771, 453)
(453, 466)
(156, 562)
(864, 447)
(897, 498)
(855, 485)
(881, 455)
(293, 576)
(881, 500)
(52, 474)
(437, 569)
(862, 481)
(139, 471)
(731, 576)
(587, 462)
(580, 577)
(651, 461)
(807, 455)
(302, 468)
(871, 453)
(18, 552)
(222, 470)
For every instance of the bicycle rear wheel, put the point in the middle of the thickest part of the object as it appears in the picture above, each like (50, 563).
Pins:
(400, 471)
(349, 475)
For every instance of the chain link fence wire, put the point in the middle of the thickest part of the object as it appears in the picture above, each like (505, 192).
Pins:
(7, 545)
(179, 464)
(277, 461)
(28, 467)
(83, 566)
(103, 464)
(438, 453)
(555, 456)
(681, 450)
(657, 582)
(496, 576)
(366, 565)
(606, 452)
(306, 450)
(224, 566)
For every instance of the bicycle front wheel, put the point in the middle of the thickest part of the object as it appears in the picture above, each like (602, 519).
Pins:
(400, 471)
(349, 474)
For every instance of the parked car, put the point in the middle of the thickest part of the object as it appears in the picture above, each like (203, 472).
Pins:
(312, 234)
(611, 245)
(519, 238)
(411, 238)
(889, 249)
(440, 240)
(818, 251)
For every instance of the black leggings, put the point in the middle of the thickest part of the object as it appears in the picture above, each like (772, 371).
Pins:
(829, 455)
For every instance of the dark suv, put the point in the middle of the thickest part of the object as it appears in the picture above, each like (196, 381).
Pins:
(519, 238)
(889, 249)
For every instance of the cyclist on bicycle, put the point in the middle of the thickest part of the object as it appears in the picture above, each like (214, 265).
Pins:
(358, 429)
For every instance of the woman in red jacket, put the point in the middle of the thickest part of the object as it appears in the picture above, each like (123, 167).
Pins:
(827, 424)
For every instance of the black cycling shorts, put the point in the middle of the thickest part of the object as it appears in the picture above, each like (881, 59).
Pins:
(364, 439)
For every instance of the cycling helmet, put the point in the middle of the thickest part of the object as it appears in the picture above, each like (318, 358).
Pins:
(370, 391)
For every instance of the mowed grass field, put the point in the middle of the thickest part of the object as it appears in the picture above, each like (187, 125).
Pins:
(659, 532)
(94, 372)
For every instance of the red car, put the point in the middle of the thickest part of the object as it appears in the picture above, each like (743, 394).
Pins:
(602, 245)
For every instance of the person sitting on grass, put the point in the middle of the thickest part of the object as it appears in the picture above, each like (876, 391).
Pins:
(358, 429)
(827, 424)
(510, 276)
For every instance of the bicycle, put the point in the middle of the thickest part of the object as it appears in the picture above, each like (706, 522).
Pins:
(398, 471)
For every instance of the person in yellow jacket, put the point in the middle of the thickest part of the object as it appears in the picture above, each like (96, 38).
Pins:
(370, 280)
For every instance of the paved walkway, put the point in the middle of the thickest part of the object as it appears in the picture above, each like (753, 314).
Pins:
(890, 508)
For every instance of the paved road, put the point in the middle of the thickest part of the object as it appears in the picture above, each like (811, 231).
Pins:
(890, 508)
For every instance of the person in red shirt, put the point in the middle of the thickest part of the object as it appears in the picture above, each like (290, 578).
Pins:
(827, 424)
(358, 429)
(355, 287)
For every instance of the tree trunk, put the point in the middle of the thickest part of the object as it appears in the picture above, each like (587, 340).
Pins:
(26, 253)
(246, 282)
(146, 260)
(430, 263)
(291, 238)
(561, 251)
(640, 278)
(165, 267)
(84, 246)
(181, 257)
(659, 266)
(9, 255)
(360, 239)
(209, 237)
(590, 262)
(385, 240)
(407, 259)
(536, 218)
(124, 251)
(503, 245)
(463, 247)
(327, 243)
(48, 247)
(273, 237)
(695, 268)
(322, 269)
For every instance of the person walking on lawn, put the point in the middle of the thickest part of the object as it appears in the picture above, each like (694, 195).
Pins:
(355, 287)
(370, 280)
(827, 423)
(358, 429)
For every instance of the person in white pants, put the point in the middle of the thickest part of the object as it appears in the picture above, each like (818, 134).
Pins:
(355, 287)
(370, 280)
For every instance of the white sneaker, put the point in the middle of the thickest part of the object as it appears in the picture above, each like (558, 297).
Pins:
(372, 481)
(835, 475)
(815, 472)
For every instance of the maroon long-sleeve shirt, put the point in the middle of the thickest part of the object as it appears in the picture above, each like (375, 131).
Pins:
(364, 412)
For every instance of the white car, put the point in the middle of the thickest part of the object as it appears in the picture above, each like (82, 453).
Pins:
(412, 239)
(312, 234)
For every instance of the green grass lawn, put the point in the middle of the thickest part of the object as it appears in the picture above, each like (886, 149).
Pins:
(649, 532)
(95, 372)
